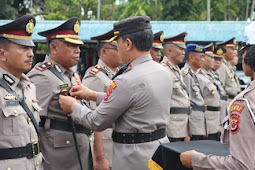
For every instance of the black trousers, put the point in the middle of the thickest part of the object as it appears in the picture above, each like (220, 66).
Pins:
(176, 139)
(214, 136)
(197, 137)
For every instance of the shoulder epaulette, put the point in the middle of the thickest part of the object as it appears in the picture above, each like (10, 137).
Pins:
(44, 66)
(186, 71)
(165, 63)
(95, 70)
(198, 71)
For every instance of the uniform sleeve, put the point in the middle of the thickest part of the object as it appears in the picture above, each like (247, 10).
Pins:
(43, 94)
(93, 83)
(241, 144)
(116, 101)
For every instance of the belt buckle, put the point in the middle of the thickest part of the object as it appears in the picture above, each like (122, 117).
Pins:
(205, 107)
(33, 149)
(190, 110)
(227, 97)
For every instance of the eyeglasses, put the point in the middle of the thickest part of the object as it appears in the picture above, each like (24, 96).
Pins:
(112, 48)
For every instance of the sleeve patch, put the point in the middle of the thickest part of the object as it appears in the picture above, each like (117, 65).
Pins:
(95, 70)
(112, 86)
(234, 124)
(164, 63)
(44, 66)
(237, 108)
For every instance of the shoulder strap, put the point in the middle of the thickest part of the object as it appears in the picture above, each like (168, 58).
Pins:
(193, 75)
(22, 103)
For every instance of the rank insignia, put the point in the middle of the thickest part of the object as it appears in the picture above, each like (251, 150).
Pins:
(236, 108)
(164, 64)
(44, 66)
(186, 71)
(63, 86)
(95, 70)
(58, 68)
(129, 67)
(8, 79)
(112, 86)
(234, 124)
(77, 79)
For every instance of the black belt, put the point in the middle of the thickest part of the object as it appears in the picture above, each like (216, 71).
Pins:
(132, 138)
(65, 126)
(199, 108)
(212, 108)
(223, 97)
(181, 110)
(231, 96)
(30, 150)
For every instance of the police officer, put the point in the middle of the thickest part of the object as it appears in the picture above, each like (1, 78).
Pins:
(99, 79)
(210, 94)
(19, 130)
(195, 56)
(227, 76)
(157, 46)
(136, 100)
(239, 127)
(218, 55)
(233, 63)
(174, 50)
(58, 140)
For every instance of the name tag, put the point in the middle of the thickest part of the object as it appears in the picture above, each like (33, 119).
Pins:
(63, 86)
(11, 102)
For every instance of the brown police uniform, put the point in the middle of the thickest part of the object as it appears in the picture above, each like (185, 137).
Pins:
(238, 134)
(57, 140)
(18, 135)
(137, 104)
(180, 102)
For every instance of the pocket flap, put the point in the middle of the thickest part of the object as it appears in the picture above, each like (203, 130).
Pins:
(63, 140)
(12, 110)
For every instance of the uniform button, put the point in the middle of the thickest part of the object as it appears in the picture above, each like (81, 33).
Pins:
(73, 84)
(37, 163)
(174, 117)
(90, 139)
(33, 140)
(213, 92)
(232, 80)
(29, 119)
(196, 93)
(8, 169)
(15, 111)
(25, 97)
(68, 142)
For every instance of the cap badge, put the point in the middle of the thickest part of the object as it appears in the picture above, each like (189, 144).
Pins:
(234, 41)
(185, 38)
(30, 26)
(199, 48)
(77, 27)
(162, 37)
(219, 51)
(212, 47)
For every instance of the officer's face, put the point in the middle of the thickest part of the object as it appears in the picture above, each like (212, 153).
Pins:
(67, 54)
(217, 64)
(112, 56)
(155, 54)
(122, 49)
(230, 53)
(16, 59)
(208, 63)
(177, 53)
(198, 59)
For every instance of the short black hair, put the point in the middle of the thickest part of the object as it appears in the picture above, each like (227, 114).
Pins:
(249, 58)
(4, 43)
(99, 46)
(142, 39)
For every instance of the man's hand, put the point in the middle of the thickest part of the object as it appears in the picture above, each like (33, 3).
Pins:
(67, 103)
(186, 158)
(101, 164)
(82, 92)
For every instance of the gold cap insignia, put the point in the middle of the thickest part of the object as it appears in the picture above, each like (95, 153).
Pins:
(212, 47)
(199, 48)
(30, 26)
(234, 41)
(76, 27)
(185, 38)
(162, 37)
(219, 51)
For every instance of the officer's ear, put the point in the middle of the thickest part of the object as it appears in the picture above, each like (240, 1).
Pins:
(129, 44)
(2, 54)
(53, 47)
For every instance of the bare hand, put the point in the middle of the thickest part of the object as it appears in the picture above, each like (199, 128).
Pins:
(101, 164)
(186, 158)
(187, 139)
(82, 92)
(67, 103)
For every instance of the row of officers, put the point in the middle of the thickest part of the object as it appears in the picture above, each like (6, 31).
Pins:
(134, 105)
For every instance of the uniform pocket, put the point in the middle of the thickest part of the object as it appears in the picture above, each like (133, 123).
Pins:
(177, 117)
(14, 120)
(63, 139)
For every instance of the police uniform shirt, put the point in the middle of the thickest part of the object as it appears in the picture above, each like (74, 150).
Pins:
(178, 124)
(100, 82)
(236, 78)
(227, 78)
(222, 92)
(238, 134)
(57, 145)
(138, 102)
(211, 98)
(16, 128)
(196, 118)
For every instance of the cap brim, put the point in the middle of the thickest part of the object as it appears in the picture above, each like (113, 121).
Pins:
(219, 58)
(114, 43)
(209, 54)
(157, 46)
(181, 45)
(73, 41)
(28, 43)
